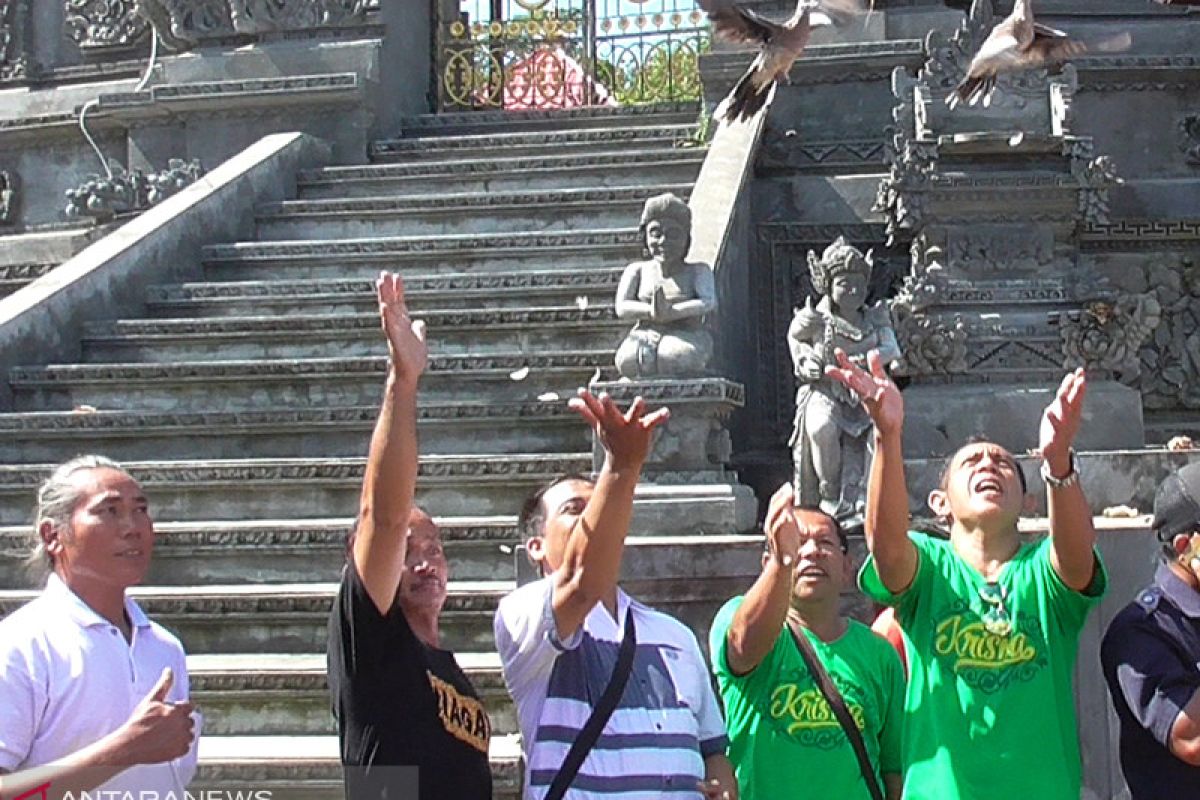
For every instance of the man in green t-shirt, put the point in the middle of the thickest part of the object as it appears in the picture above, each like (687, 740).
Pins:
(784, 740)
(993, 621)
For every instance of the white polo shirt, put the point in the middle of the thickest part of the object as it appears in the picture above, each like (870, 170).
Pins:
(68, 678)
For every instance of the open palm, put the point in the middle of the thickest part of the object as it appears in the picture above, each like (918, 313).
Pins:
(405, 336)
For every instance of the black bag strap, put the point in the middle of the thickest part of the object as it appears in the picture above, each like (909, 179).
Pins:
(600, 714)
(838, 705)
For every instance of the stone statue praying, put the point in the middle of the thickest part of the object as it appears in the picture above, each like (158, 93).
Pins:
(831, 434)
(667, 296)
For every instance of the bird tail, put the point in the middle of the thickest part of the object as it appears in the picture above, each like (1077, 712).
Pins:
(745, 100)
(971, 89)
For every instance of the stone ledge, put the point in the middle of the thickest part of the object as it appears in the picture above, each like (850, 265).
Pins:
(669, 133)
(253, 94)
(622, 238)
(505, 165)
(241, 472)
(137, 422)
(364, 289)
(450, 320)
(219, 537)
(572, 199)
(706, 390)
(62, 374)
(443, 122)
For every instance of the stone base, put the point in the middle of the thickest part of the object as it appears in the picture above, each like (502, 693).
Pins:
(686, 487)
(939, 419)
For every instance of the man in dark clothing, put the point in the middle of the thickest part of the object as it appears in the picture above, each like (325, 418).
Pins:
(407, 715)
(1151, 655)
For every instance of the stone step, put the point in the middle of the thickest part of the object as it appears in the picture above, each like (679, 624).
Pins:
(15, 276)
(307, 768)
(474, 122)
(288, 694)
(457, 331)
(287, 618)
(510, 143)
(49, 244)
(281, 551)
(513, 174)
(688, 577)
(282, 488)
(238, 385)
(430, 256)
(458, 213)
(422, 292)
(450, 427)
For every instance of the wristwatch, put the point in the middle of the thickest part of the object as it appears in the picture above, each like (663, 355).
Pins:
(1070, 479)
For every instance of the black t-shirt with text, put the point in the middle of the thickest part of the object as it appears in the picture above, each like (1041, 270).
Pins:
(399, 702)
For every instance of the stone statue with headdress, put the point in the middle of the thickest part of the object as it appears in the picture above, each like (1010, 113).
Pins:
(831, 433)
(667, 297)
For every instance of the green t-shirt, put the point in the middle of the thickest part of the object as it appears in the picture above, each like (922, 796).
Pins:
(988, 715)
(784, 740)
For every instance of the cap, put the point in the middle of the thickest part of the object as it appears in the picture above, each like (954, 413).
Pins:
(1177, 503)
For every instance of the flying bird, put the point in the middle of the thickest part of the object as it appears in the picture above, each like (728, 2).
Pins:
(1018, 43)
(780, 44)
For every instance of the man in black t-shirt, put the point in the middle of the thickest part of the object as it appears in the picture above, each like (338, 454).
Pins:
(408, 718)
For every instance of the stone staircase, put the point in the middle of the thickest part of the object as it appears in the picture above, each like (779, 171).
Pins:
(243, 401)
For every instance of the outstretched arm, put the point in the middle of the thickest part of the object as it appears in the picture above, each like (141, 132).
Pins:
(592, 559)
(390, 479)
(1072, 534)
(886, 523)
(759, 619)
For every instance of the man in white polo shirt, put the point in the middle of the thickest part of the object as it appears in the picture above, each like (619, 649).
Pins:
(93, 695)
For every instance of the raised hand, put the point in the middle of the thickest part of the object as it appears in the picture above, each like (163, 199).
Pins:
(783, 531)
(879, 395)
(627, 437)
(158, 730)
(405, 337)
(1060, 422)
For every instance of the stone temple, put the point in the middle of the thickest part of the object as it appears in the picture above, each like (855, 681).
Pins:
(186, 277)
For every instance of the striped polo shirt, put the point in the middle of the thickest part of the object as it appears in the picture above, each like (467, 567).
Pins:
(665, 725)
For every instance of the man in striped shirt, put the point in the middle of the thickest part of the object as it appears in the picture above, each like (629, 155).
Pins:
(559, 637)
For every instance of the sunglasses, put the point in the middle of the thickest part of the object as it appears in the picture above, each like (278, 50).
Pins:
(995, 618)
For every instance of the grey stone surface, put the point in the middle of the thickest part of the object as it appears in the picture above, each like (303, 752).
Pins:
(45, 317)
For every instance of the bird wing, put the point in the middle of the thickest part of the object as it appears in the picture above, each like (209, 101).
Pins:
(1045, 31)
(819, 19)
(998, 50)
(841, 12)
(736, 24)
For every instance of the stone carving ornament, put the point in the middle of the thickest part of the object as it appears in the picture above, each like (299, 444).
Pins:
(1106, 335)
(1189, 138)
(103, 197)
(8, 197)
(831, 432)
(182, 24)
(667, 297)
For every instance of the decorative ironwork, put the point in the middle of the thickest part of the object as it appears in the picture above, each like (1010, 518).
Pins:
(537, 54)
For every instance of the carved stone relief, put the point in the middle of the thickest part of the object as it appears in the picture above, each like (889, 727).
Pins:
(1189, 138)
(103, 197)
(183, 24)
(1106, 335)
(14, 62)
(8, 197)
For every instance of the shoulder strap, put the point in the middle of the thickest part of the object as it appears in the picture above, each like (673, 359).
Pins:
(838, 705)
(600, 714)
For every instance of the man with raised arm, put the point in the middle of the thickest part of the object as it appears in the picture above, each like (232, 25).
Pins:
(781, 727)
(93, 693)
(401, 701)
(993, 620)
(560, 637)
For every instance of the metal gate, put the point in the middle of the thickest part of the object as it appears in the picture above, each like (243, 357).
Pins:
(531, 54)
